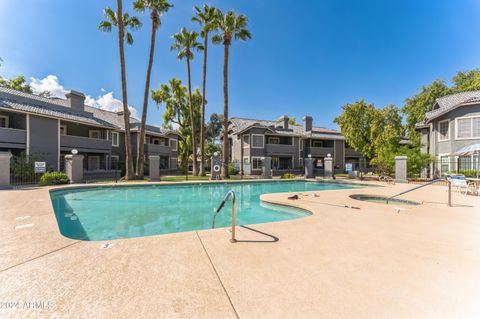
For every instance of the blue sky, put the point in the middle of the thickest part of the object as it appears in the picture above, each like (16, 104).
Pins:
(306, 57)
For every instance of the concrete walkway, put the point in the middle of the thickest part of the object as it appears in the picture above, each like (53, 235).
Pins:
(372, 262)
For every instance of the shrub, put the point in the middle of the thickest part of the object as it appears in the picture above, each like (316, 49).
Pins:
(53, 178)
(288, 176)
(232, 170)
(468, 173)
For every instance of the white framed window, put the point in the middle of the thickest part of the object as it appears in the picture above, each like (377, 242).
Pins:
(93, 163)
(63, 130)
(273, 140)
(444, 130)
(173, 144)
(173, 162)
(444, 164)
(115, 138)
(301, 145)
(155, 141)
(3, 121)
(95, 134)
(246, 140)
(114, 159)
(246, 160)
(258, 141)
(468, 128)
(257, 163)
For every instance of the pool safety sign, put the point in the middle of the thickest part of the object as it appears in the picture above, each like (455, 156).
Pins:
(349, 167)
(40, 167)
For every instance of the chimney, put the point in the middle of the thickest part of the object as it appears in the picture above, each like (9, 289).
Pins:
(76, 100)
(283, 121)
(307, 123)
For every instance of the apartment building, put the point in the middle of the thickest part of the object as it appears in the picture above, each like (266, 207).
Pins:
(288, 145)
(49, 128)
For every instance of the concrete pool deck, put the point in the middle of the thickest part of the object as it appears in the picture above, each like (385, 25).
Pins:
(374, 262)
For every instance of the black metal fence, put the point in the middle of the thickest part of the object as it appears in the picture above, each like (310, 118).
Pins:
(23, 170)
(463, 165)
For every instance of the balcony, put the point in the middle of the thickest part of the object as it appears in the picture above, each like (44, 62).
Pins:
(155, 149)
(85, 144)
(12, 138)
(280, 149)
(350, 152)
(321, 151)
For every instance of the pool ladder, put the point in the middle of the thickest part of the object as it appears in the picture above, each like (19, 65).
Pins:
(230, 194)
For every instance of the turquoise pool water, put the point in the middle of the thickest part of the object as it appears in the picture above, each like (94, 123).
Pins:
(104, 213)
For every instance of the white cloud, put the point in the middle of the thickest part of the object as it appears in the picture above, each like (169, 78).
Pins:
(50, 84)
(104, 102)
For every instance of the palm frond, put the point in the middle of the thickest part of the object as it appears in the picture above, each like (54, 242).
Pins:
(105, 26)
(110, 15)
(129, 38)
(217, 39)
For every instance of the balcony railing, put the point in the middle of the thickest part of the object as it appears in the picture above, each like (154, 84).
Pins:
(272, 149)
(84, 143)
(13, 136)
(321, 151)
(155, 149)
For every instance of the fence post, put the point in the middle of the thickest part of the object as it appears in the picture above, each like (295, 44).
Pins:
(74, 168)
(154, 168)
(5, 169)
(328, 173)
(449, 194)
(267, 167)
(308, 167)
(401, 169)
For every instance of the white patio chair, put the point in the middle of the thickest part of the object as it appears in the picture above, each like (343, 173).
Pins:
(459, 182)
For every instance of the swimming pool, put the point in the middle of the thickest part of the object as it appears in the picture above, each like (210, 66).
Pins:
(113, 212)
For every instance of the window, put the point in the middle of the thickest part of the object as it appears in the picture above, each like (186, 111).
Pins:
(115, 138)
(246, 141)
(147, 139)
(3, 121)
(93, 163)
(443, 130)
(246, 160)
(468, 127)
(300, 162)
(273, 140)
(114, 159)
(257, 163)
(173, 162)
(155, 141)
(258, 141)
(444, 164)
(173, 145)
(95, 134)
(301, 145)
(63, 130)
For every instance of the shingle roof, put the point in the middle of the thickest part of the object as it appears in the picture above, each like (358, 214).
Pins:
(59, 108)
(450, 102)
(135, 127)
(45, 108)
(239, 125)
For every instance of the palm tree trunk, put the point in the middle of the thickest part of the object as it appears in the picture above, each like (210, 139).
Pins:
(202, 122)
(225, 113)
(192, 122)
(126, 112)
(141, 139)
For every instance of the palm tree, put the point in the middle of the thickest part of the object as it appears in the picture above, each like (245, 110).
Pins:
(156, 8)
(231, 26)
(132, 23)
(184, 43)
(207, 18)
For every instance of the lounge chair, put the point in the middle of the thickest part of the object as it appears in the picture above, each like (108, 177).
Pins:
(460, 183)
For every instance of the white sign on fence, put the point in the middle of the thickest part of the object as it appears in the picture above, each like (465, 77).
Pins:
(40, 167)
(349, 167)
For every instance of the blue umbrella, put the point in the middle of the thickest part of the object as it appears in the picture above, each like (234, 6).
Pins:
(470, 150)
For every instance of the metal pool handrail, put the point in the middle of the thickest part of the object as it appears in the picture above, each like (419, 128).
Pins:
(429, 183)
(234, 212)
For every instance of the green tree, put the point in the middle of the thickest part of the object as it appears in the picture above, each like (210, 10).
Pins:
(18, 83)
(207, 18)
(185, 42)
(416, 107)
(123, 21)
(231, 26)
(214, 127)
(466, 81)
(177, 112)
(156, 9)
